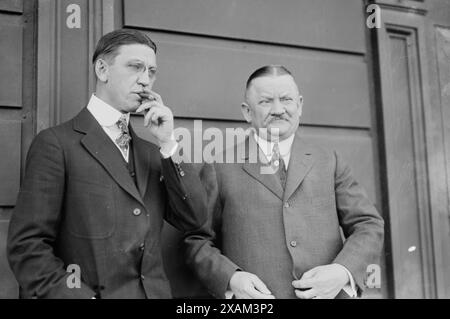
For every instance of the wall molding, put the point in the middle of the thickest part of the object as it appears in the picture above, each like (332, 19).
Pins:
(406, 6)
(401, 25)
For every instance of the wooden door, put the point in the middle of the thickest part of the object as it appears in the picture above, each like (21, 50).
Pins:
(414, 55)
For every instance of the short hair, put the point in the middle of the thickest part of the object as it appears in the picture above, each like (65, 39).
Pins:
(109, 44)
(268, 70)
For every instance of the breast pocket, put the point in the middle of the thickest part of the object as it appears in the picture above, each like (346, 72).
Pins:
(90, 209)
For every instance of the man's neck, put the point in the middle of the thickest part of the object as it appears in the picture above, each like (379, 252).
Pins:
(100, 95)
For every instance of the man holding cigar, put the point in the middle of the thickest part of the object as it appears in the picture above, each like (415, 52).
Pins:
(95, 195)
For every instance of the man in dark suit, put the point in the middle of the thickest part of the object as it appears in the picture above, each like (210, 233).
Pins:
(277, 210)
(94, 194)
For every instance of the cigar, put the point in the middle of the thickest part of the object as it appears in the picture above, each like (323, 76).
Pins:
(147, 96)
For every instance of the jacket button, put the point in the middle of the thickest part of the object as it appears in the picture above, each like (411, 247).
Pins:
(161, 178)
(286, 205)
(182, 173)
(293, 243)
(142, 277)
(136, 212)
(142, 246)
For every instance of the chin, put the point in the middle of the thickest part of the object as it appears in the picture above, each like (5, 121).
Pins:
(281, 129)
(132, 107)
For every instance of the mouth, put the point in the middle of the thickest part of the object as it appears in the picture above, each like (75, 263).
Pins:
(144, 95)
(275, 120)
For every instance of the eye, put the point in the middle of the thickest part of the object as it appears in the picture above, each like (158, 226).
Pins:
(135, 66)
(286, 99)
(151, 73)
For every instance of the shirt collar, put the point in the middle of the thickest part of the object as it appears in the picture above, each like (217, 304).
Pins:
(104, 113)
(267, 147)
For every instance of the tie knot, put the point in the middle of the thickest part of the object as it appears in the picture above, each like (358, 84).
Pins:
(122, 124)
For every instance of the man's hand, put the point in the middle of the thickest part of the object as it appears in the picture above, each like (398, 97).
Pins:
(159, 119)
(245, 285)
(322, 282)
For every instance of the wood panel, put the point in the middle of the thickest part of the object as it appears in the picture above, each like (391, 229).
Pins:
(442, 98)
(10, 141)
(74, 62)
(205, 78)
(406, 159)
(328, 24)
(10, 65)
(17, 105)
(8, 287)
(13, 6)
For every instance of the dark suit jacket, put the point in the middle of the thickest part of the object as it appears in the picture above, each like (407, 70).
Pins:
(278, 235)
(79, 205)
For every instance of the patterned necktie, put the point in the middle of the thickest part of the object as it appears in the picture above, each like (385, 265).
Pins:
(277, 163)
(123, 141)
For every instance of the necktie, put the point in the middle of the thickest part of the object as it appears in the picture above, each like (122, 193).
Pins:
(277, 163)
(123, 141)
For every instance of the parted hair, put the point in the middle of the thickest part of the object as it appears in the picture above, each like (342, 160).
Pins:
(267, 70)
(108, 45)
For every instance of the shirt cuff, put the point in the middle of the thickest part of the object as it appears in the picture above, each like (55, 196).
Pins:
(171, 152)
(229, 294)
(350, 288)
(170, 148)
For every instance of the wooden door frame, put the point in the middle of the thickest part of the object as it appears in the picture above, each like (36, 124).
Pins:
(103, 18)
(410, 19)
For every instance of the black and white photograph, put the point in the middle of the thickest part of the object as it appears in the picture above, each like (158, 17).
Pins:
(208, 151)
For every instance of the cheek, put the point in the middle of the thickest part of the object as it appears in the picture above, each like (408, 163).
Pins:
(293, 111)
(262, 113)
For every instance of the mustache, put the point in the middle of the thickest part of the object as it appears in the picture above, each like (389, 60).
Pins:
(271, 118)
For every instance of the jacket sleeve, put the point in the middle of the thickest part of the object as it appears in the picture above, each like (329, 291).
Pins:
(185, 195)
(35, 223)
(212, 268)
(361, 223)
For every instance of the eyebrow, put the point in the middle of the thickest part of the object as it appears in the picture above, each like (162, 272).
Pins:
(142, 62)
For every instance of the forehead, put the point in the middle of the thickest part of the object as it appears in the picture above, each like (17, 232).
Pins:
(136, 51)
(273, 84)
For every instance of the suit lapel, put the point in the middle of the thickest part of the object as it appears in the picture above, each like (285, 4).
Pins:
(252, 154)
(142, 160)
(300, 164)
(100, 146)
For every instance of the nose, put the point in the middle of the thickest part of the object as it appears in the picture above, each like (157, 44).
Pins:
(144, 79)
(277, 108)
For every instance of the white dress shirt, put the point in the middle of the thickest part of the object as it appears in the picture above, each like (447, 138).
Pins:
(285, 152)
(284, 146)
(107, 117)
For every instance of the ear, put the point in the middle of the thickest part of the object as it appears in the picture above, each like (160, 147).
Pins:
(300, 105)
(102, 70)
(247, 112)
